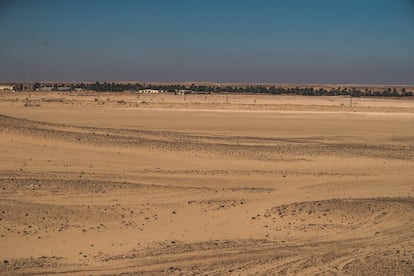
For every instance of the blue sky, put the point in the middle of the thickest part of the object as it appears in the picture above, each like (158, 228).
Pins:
(320, 41)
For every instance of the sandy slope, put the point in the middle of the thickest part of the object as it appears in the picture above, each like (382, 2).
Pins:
(109, 189)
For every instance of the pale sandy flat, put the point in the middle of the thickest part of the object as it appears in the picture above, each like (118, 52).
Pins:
(158, 184)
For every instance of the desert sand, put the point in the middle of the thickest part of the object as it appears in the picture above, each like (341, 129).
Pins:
(94, 184)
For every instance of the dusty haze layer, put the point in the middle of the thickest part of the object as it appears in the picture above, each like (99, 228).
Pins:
(162, 184)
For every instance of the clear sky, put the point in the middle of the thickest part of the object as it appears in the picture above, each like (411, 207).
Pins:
(318, 41)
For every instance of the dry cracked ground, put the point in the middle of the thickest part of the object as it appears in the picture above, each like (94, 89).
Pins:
(114, 190)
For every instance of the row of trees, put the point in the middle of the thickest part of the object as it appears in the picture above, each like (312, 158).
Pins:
(262, 89)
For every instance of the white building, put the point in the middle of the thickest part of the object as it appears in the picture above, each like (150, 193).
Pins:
(150, 91)
(64, 88)
(45, 88)
(183, 92)
(9, 88)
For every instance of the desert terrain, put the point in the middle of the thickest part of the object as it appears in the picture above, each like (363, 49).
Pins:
(118, 183)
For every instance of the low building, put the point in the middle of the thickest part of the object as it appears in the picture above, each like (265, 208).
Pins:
(9, 88)
(45, 88)
(183, 92)
(64, 88)
(150, 91)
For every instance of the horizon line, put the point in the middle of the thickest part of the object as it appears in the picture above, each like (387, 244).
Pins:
(213, 83)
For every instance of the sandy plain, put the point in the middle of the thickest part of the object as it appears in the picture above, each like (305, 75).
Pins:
(108, 184)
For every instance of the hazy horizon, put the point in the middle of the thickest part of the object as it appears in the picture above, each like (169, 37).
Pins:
(302, 42)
